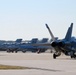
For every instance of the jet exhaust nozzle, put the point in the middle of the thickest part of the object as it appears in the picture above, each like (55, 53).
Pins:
(60, 44)
(54, 44)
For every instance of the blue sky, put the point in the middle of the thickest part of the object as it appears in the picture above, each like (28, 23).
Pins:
(26, 18)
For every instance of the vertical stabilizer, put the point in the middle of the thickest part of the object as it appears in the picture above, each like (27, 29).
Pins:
(69, 33)
(51, 34)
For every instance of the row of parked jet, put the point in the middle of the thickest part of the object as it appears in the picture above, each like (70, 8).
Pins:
(24, 46)
(67, 45)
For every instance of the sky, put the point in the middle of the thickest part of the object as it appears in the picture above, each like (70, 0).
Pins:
(26, 18)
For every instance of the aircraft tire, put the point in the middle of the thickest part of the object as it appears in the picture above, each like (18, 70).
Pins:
(54, 56)
(16, 51)
(24, 51)
(71, 56)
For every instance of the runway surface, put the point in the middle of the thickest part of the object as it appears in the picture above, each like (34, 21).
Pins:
(40, 64)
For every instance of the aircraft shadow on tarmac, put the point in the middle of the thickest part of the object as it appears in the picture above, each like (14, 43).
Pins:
(45, 69)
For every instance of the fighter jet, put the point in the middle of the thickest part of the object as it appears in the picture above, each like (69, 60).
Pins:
(66, 45)
(29, 46)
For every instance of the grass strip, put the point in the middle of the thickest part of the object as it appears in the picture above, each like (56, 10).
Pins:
(8, 67)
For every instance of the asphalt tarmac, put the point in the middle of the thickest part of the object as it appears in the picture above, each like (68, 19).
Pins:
(40, 64)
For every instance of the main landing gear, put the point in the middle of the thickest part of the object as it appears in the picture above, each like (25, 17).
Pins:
(56, 54)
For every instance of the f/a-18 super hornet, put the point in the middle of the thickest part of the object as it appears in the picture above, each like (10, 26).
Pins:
(66, 45)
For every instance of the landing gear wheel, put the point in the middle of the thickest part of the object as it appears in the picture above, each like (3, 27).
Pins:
(71, 56)
(54, 56)
(74, 56)
(15, 51)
